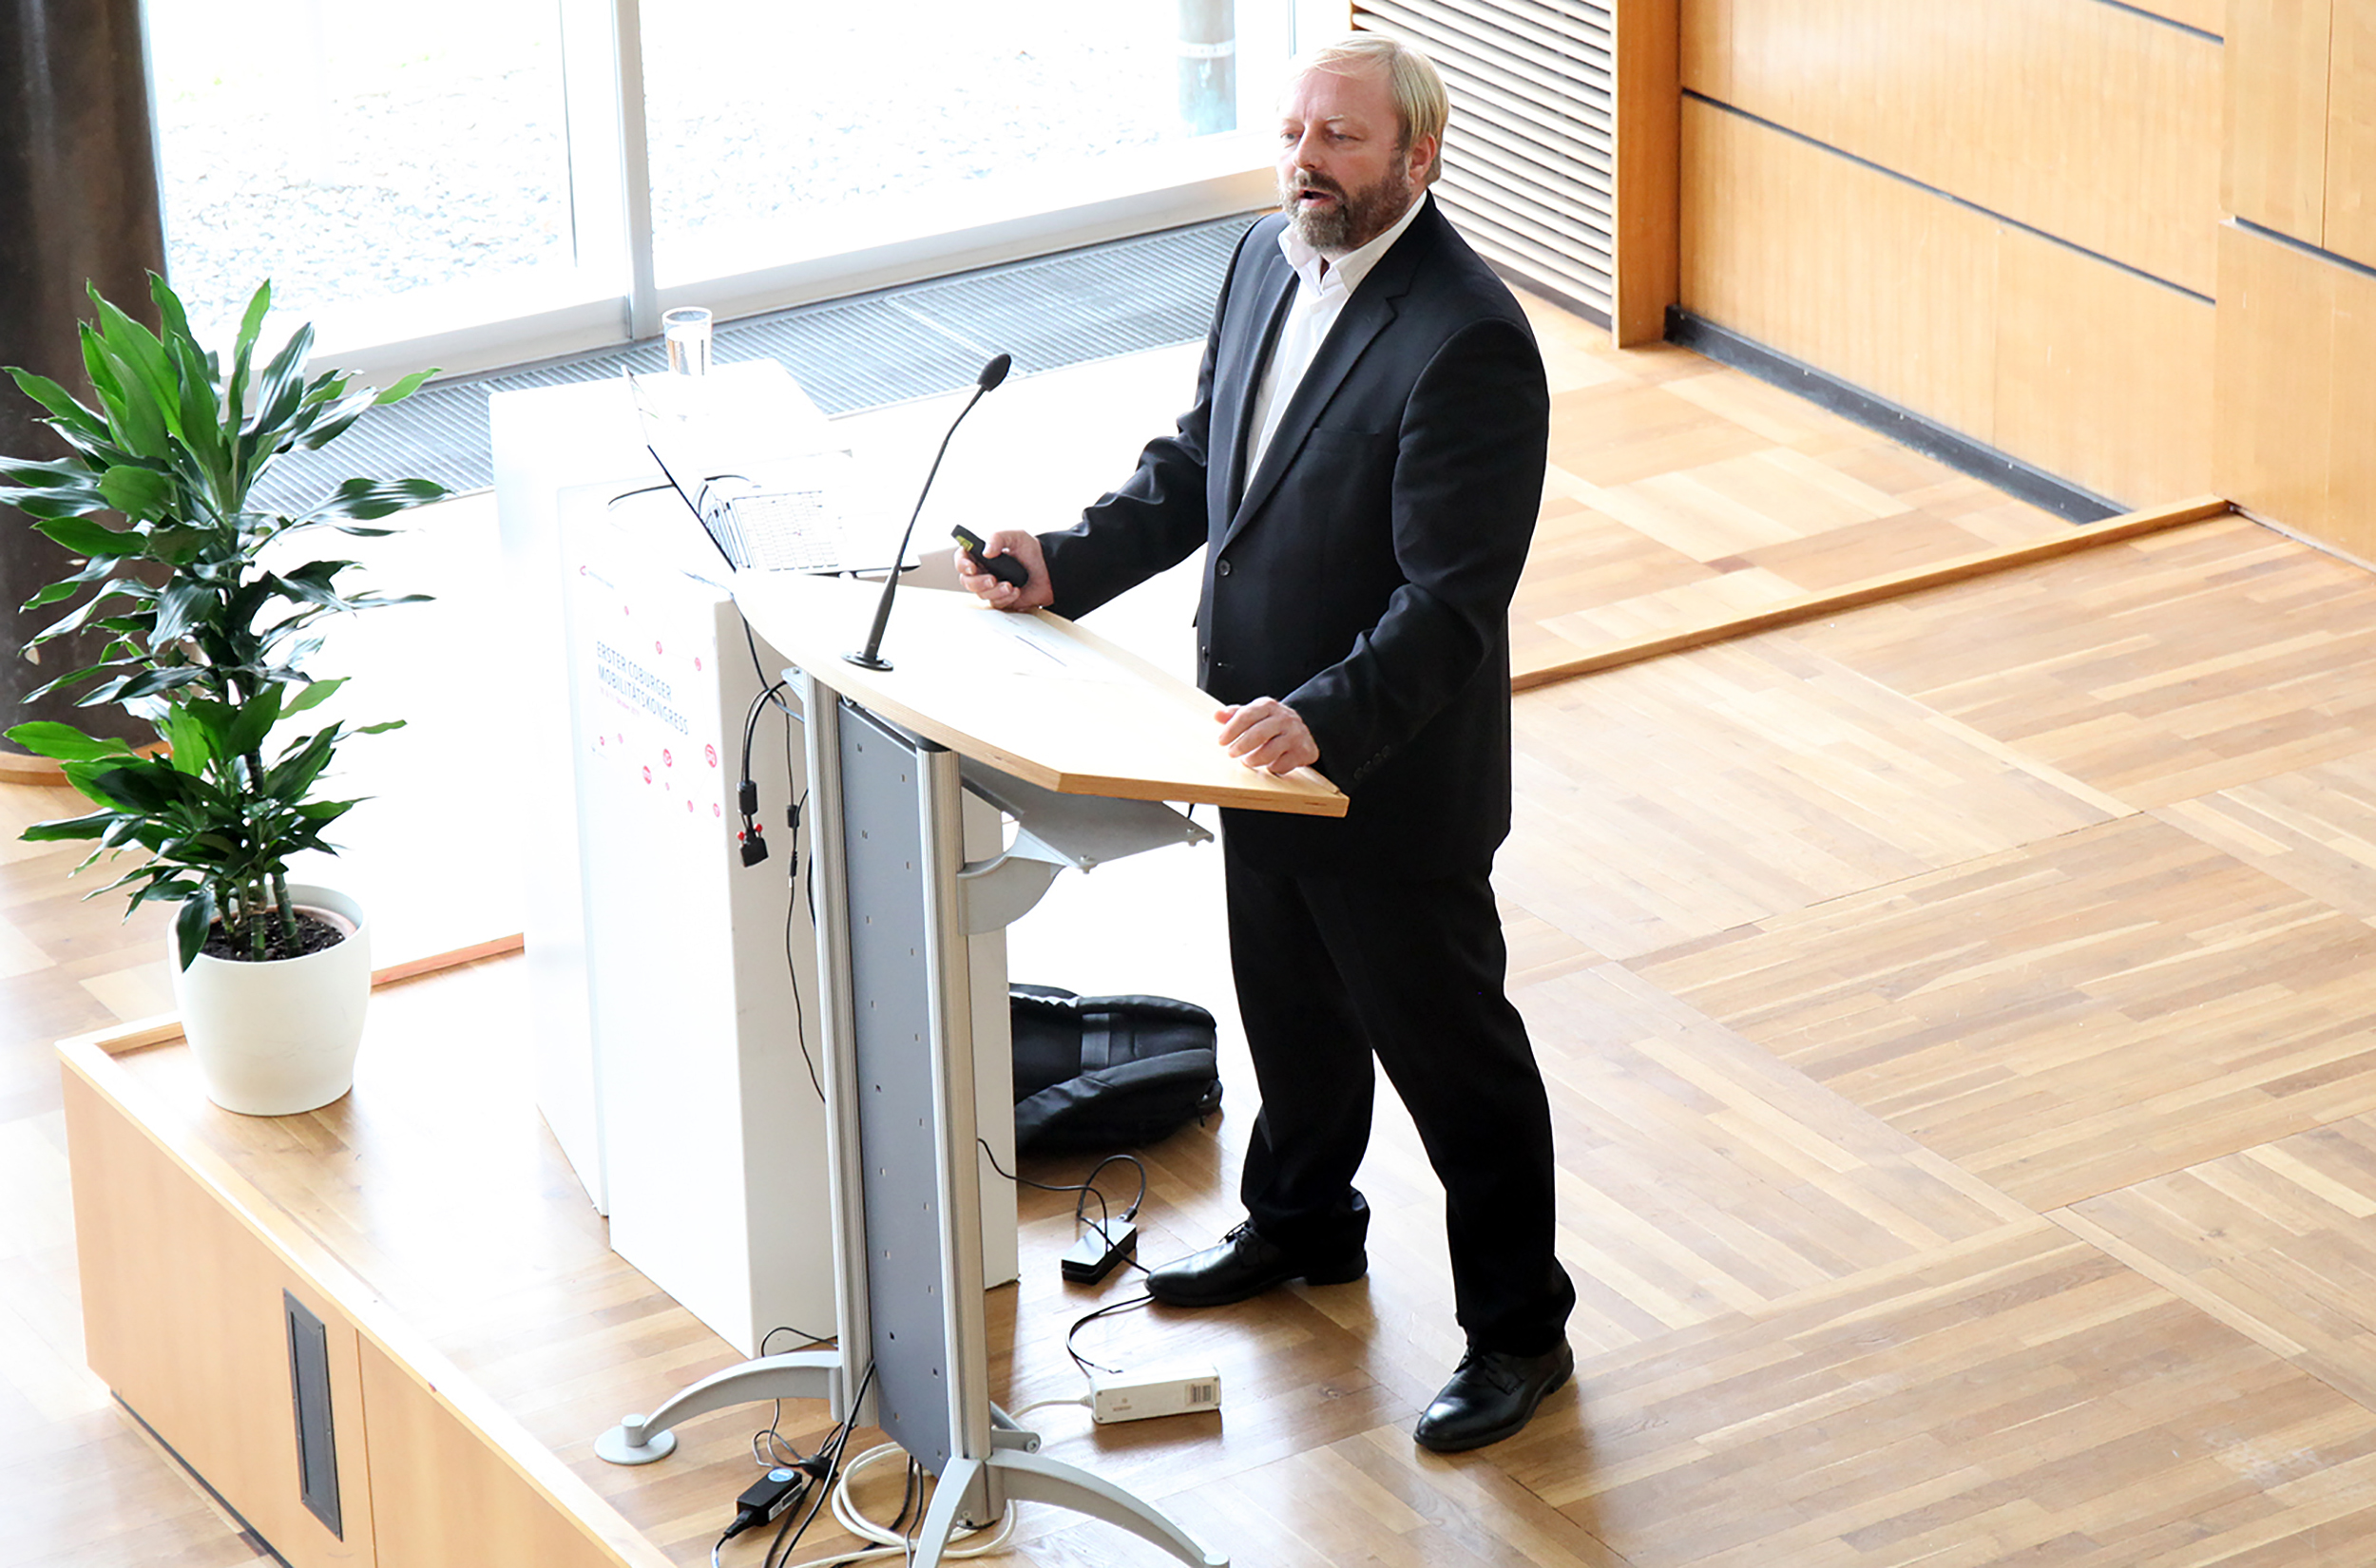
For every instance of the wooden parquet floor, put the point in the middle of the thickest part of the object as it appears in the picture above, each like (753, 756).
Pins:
(1958, 1025)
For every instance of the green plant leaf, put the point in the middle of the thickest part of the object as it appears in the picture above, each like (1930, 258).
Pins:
(407, 386)
(139, 492)
(62, 405)
(36, 474)
(312, 582)
(63, 829)
(51, 593)
(191, 924)
(151, 784)
(144, 683)
(365, 498)
(50, 688)
(85, 537)
(279, 394)
(295, 774)
(256, 718)
(380, 728)
(321, 427)
(201, 432)
(189, 740)
(131, 827)
(181, 606)
(144, 357)
(94, 451)
(63, 742)
(325, 391)
(251, 324)
(314, 694)
(106, 384)
(178, 543)
(85, 776)
(45, 505)
(74, 621)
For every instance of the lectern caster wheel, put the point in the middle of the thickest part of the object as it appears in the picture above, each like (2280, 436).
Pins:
(616, 1447)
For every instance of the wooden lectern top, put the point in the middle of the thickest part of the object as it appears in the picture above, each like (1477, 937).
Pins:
(1032, 695)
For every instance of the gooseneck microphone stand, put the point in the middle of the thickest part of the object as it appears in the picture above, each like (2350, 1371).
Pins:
(870, 657)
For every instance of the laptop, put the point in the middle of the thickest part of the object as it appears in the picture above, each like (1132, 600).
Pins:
(791, 519)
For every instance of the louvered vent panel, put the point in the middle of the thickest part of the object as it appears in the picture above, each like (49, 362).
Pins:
(1530, 159)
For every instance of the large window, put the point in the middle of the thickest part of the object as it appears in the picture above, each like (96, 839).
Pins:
(356, 154)
(492, 181)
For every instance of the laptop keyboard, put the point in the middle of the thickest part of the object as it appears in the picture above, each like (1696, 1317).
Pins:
(787, 531)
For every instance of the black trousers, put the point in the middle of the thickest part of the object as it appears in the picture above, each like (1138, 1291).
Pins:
(1336, 972)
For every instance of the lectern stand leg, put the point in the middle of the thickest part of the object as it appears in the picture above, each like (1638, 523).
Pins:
(1027, 1477)
(1036, 1478)
(800, 1374)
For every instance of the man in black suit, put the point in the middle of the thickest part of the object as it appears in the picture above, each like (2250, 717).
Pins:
(1364, 464)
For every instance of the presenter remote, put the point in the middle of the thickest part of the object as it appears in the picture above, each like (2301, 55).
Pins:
(1004, 568)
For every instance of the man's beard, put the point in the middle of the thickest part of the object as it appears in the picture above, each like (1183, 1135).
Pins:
(1358, 218)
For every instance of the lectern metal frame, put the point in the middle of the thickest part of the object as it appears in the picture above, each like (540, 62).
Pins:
(891, 918)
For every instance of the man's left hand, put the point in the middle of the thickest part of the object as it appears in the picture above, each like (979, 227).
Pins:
(1267, 732)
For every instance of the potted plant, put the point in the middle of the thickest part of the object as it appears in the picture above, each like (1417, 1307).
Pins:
(209, 635)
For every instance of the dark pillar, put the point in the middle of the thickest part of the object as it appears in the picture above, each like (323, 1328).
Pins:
(78, 200)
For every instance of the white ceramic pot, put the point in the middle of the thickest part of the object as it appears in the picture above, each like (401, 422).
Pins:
(277, 1038)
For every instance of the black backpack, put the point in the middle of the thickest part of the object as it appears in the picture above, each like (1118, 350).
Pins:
(1108, 1072)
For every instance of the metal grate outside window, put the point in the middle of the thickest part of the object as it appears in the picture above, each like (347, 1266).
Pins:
(1529, 161)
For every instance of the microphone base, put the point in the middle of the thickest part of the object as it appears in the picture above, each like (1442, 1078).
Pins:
(867, 660)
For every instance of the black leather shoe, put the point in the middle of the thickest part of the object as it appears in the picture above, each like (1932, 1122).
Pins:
(1492, 1395)
(1246, 1265)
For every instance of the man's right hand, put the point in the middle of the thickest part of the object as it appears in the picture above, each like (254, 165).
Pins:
(1025, 548)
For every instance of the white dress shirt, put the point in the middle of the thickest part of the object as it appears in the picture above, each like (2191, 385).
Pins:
(1321, 289)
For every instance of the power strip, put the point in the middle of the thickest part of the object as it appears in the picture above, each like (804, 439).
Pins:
(1180, 1390)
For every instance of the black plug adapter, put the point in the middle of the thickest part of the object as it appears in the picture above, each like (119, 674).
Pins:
(753, 848)
(765, 1499)
(1094, 1253)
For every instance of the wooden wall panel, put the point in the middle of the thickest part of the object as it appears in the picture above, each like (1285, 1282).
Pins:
(2072, 333)
(1704, 49)
(2083, 369)
(183, 1318)
(2281, 343)
(2210, 15)
(2351, 467)
(1884, 285)
(2274, 171)
(2350, 201)
(2090, 121)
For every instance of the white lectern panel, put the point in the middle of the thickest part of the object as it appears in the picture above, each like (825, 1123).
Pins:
(669, 1062)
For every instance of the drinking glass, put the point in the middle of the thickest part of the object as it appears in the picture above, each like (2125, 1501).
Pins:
(686, 331)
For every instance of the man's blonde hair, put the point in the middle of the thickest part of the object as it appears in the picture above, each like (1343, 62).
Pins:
(1421, 105)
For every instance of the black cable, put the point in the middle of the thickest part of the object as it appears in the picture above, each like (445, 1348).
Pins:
(768, 1435)
(630, 495)
(758, 667)
(911, 1493)
(1086, 1190)
(907, 1532)
(773, 692)
(1085, 1319)
(824, 1471)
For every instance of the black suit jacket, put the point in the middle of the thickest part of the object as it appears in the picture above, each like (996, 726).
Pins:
(1363, 572)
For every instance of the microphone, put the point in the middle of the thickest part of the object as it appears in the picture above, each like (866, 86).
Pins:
(870, 657)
